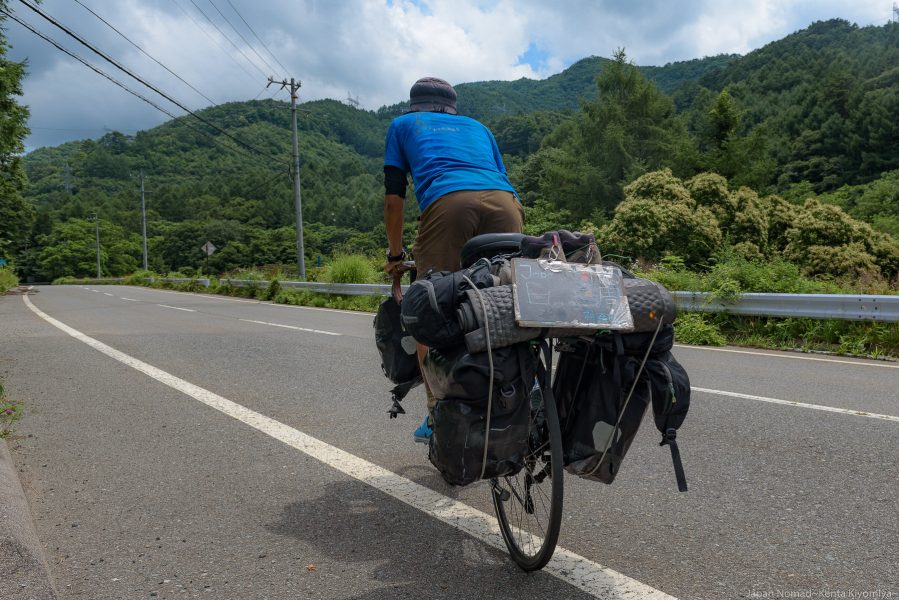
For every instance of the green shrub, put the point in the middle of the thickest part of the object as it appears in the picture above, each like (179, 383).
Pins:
(139, 278)
(351, 268)
(693, 329)
(8, 280)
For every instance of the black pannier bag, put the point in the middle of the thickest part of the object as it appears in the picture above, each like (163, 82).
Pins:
(399, 360)
(430, 304)
(460, 382)
(603, 394)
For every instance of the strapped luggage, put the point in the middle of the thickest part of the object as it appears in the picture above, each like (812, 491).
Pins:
(466, 418)
(399, 360)
(429, 306)
(603, 387)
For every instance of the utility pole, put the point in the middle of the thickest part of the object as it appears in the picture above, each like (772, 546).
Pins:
(294, 85)
(143, 217)
(96, 221)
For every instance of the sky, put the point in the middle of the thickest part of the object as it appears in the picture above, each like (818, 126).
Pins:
(370, 50)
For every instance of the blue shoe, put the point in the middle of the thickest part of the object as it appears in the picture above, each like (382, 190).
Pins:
(422, 435)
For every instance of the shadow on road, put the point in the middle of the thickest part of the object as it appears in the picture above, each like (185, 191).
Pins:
(395, 551)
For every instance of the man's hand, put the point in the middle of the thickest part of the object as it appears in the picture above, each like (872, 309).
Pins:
(394, 268)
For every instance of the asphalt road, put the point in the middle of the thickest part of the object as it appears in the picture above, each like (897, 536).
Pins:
(141, 490)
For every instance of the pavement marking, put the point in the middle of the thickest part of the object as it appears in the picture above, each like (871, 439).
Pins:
(176, 308)
(360, 313)
(130, 299)
(107, 294)
(208, 296)
(96, 291)
(786, 354)
(290, 327)
(571, 568)
(845, 411)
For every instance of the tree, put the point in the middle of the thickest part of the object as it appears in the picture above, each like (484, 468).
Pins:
(16, 214)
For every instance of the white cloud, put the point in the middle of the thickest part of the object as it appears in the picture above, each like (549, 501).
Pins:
(375, 49)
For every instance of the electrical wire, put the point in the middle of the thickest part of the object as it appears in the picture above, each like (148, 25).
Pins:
(108, 24)
(211, 22)
(257, 37)
(118, 83)
(240, 35)
(111, 61)
(214, 40)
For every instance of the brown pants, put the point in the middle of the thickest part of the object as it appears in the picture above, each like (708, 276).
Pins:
(451, 221)
(455, 218)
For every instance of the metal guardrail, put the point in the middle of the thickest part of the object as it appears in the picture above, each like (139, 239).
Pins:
(814, 306)
(203, 282)
(344, 289)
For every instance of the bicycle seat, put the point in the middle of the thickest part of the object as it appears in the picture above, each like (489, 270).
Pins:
(489, 245)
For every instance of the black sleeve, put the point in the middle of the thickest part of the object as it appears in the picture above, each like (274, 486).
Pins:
(394, 181)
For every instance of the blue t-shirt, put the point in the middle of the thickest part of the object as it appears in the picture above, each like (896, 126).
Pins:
(445, 153)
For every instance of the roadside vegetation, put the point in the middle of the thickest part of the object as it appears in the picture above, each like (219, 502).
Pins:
(10, 412)
(729, 274)
(8, 279)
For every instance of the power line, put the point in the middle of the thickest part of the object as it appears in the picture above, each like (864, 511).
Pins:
(255, 66)
(115, 81)
(108, 24)
(214, 40)
(257, 37)
(111, 61)
(240, 35)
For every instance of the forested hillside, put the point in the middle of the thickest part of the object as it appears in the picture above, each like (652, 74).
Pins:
(810, 116)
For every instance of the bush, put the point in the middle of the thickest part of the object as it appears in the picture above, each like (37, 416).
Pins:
(693, 329)
(351, 268)
(8, 280)
(139, 277)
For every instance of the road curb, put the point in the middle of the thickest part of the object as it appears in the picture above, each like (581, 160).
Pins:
(25, 573)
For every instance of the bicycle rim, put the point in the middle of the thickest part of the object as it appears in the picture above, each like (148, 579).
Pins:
(528, 505)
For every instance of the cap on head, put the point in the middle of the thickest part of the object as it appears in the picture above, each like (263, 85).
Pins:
(430, 94)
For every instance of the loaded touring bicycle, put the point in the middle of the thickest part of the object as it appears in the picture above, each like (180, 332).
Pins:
(506, 412)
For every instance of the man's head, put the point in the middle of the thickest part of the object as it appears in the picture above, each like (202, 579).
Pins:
(430, 94)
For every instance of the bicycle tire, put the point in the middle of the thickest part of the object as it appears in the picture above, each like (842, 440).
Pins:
(531, 549)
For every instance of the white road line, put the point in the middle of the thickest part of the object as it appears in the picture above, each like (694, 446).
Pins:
(107, 294)
(290, 327)
(571, 568)
(176, 308)
(130, 299)
(845, 411)
(96, 291)
(358, 313)
(794, 356)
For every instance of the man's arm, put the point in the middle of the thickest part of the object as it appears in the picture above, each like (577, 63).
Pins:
(393, 220)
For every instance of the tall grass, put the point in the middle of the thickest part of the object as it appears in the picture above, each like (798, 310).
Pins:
(351, 268)
(8, 280)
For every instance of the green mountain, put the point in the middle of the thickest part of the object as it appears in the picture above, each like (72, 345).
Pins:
(814, 113)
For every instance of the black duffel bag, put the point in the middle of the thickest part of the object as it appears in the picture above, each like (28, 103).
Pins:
(603, 393)
(460, 383)
(430, 304)
(399, 359)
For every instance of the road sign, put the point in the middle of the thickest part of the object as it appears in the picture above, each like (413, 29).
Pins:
(2, 262)
(208, 248)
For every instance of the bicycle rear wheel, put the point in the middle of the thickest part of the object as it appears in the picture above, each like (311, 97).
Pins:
(528, 505)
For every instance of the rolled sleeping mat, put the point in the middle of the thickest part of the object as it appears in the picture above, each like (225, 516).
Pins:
(500, 319)
(649, 301)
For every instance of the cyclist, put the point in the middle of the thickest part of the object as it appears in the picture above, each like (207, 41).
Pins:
(460, 183)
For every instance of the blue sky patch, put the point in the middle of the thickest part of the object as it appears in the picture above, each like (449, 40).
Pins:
(534, 56)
